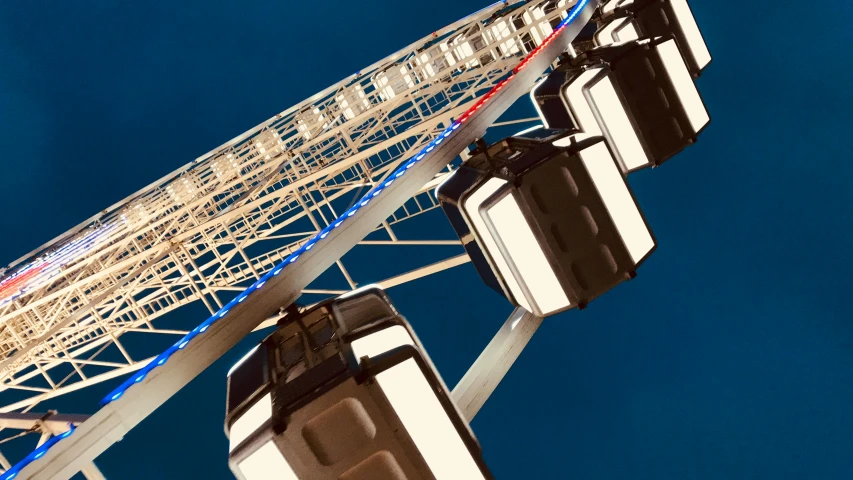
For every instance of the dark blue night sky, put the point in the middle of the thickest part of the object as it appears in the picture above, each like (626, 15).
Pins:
(730, 356)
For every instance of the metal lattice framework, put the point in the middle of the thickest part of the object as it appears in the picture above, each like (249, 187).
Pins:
(145, 391)
(216, 225)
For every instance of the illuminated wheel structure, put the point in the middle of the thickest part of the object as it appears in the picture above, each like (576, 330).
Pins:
(250, 227)
(69, 310)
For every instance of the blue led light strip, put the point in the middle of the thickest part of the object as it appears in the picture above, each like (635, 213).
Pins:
(376, 191)
(34, 455)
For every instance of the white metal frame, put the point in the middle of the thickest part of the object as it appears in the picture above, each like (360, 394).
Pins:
(175, 246)
(210, 229)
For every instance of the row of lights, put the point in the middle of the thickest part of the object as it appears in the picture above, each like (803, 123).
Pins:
(292, 258)
(52, 263)
(397, 78)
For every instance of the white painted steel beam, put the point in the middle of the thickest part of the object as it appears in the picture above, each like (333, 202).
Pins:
(425, 271)
(481, 380)
(91, 472)
(411, 276)
(57, 423)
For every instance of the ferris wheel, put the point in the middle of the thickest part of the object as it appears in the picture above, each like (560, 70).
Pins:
(264, 220)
